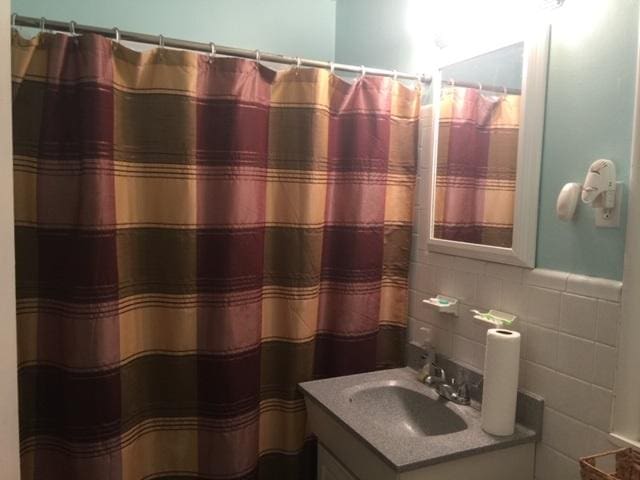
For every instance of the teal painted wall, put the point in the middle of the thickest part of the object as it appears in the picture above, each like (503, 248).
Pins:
(589, 116)
(589, 109)
(374, 33)
(303, 28)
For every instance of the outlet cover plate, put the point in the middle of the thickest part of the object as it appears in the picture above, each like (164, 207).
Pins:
(610, 219)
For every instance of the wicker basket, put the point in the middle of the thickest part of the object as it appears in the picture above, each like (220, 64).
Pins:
(627, 463)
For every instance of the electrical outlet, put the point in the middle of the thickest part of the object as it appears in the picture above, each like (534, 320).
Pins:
(610, 218)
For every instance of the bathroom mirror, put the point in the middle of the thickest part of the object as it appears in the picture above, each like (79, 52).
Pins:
(486, 143)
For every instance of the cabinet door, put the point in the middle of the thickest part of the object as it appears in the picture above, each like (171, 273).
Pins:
(329, 468)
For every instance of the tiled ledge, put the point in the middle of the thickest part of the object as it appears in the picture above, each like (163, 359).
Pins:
(593, 287)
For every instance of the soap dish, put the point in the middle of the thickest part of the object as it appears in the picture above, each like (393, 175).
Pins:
(443, 304)
(494, 317)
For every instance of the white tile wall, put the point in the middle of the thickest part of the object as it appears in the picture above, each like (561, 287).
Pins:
(607, 319)
(569, 326)
(541, 346)
(578, 315)
(576, 357)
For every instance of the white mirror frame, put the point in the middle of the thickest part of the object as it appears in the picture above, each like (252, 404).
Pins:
(532, 108)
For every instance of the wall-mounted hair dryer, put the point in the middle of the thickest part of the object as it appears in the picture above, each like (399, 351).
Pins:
(603, 193)
(599, 188)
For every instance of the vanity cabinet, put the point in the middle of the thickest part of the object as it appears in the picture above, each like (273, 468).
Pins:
(363, 440)
(340, 453)
(508, 464)
(329, 468)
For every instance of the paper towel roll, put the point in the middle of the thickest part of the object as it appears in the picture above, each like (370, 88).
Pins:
(500, 391)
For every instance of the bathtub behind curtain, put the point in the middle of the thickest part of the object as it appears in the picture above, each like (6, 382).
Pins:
(194, 237)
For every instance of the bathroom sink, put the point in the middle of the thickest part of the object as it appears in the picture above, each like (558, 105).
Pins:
(390, 416)
(401, 411)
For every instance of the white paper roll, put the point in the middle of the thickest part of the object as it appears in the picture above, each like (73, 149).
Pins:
(500, 391)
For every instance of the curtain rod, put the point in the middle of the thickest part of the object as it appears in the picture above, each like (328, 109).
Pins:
(75, 28)
(482, 87)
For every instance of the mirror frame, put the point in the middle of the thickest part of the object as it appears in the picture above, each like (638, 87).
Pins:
(532, 110)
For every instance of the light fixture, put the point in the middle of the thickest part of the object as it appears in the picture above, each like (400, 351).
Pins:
(439, 24)
(550, 4)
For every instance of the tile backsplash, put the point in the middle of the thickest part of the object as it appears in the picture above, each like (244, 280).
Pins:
(569, 325)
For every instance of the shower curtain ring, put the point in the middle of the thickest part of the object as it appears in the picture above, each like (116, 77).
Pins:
(452, 82)
(257, 56)
(13, 20)
(116, 31)
(395, 75)
(363, 71)
(212, 54)
(161, 40)
(479, 87)
(298, 64)
(332, 67)
(72, 31)
(43, 23)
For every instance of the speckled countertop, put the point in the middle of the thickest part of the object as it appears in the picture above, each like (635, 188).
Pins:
(405, 452)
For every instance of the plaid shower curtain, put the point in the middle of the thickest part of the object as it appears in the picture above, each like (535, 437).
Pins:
(194, 237)
(476, 169)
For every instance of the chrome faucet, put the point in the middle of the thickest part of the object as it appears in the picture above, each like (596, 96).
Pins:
(456, 393)
(437, 376)
(449, 389)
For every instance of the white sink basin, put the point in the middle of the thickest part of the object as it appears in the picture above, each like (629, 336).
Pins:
(401, 411)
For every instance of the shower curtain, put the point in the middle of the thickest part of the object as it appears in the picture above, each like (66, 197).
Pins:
(476, 170)
(194, 237)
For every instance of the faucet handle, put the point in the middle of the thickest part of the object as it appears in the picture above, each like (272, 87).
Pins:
(438, 371)
(437, 375)
(478, 386)
(463, 393)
